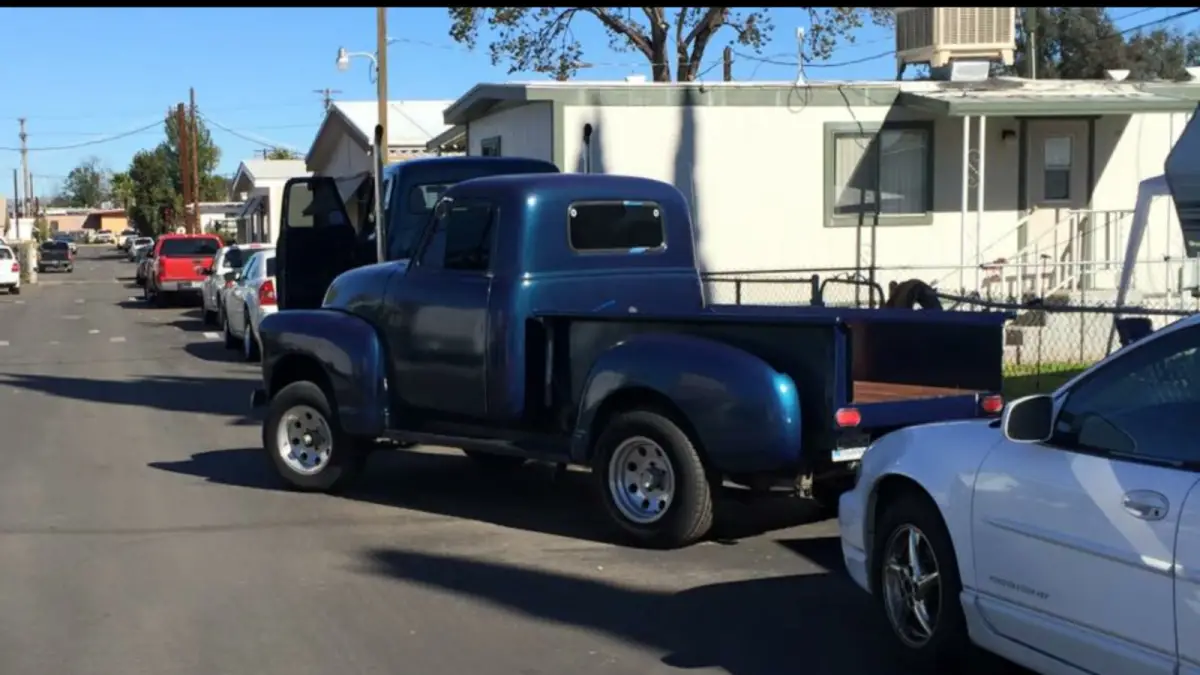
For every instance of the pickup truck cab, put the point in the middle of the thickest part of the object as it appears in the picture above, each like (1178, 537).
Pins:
(177, 264)
(561, 318)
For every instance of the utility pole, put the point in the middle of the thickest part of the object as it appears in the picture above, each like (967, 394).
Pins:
(24, 168)
(194, 133)
(16, 199)
(183, 145)
(727, 62)
(327, 95)
(381, 48)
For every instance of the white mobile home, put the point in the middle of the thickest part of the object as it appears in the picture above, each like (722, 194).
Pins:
(951, 182)
(258, 184)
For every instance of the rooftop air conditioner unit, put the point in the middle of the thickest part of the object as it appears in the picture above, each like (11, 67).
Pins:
(938, 35)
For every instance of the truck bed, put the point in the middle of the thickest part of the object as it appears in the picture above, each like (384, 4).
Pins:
(866, 391)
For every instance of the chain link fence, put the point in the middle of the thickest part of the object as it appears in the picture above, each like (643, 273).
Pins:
(1049, 340)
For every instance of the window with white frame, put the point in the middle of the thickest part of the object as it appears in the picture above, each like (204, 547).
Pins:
(1056, 168)
(888, 171)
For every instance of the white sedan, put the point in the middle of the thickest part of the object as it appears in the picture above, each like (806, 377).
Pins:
(10, 270)
(251, 297)
(1064, 537)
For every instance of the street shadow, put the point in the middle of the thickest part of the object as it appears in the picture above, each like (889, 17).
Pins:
(816, 624)
(213, 351)
(684, 169)
(201, 395)
(190, 321)
(533, 498)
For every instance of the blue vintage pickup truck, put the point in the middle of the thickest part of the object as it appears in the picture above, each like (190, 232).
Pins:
(561, 318)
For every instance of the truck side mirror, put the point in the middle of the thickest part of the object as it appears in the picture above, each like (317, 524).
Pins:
(1029, 419)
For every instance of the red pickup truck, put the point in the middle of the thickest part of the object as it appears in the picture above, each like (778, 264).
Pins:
(178, 261)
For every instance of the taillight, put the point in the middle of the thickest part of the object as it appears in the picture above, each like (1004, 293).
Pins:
(992, 404)
(16, 267)
(266, 293)
(847, 417)
(229, 283)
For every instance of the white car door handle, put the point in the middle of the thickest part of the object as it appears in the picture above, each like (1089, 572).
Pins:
(1145, 504)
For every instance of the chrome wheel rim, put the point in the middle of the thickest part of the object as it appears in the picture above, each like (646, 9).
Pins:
(304, 439)
(641, 480)
(912, 588)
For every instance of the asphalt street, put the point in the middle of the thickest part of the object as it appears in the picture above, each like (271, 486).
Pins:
(142, 533)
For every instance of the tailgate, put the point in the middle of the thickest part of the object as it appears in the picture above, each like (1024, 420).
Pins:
(184, 268)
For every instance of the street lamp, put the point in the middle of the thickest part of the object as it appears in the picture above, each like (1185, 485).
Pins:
(343, 59)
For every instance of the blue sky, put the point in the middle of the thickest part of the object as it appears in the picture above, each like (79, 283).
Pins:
(82, 75)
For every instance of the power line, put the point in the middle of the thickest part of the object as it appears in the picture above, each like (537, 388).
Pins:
(84, 144)
(257, 140)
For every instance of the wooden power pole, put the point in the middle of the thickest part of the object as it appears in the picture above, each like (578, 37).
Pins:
(194, 134)
(327, 95)
(183, 147)
(382, 93)
(25, 201)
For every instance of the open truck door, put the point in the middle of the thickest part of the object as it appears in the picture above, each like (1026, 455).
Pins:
(317, 242)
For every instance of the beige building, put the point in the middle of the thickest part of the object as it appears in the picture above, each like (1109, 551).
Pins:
(258, 184)
(839, 177)
(343, 145)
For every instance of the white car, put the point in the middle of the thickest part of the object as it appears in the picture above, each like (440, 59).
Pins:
(125, 239)
(103, 237)
(250, 299)
(138, 243)
(10, 270)
(220, 276)
(1064, 537)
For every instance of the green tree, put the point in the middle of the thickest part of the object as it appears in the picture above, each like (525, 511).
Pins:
(281, 153)
(541, 39)
(121, 186)
(86, 185)
(1076, 43)
(153, 190)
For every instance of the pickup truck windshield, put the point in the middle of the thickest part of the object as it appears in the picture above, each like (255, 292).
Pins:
(189, 247)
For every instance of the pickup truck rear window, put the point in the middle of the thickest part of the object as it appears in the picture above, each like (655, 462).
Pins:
(422, 198)
(54, 245)
(189, 247)
(615, 226)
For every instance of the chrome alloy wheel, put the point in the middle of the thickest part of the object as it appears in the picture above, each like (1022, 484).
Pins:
(304, 440)
(912, 589)
(641, 480)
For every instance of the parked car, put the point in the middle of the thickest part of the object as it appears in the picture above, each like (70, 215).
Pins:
(125, 239)
(139, 243)
(144, 262)
(103, 237)
(221, 276)
(55, 255)
(1064, 537)
(178, 261)
(544, 316)
(251, 298)
(10, 271)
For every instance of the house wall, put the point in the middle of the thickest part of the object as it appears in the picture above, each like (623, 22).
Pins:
(346, 159)
(756, 180)
(114, 224)
(525, 131)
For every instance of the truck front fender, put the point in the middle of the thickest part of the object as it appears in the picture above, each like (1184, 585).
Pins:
(342, 350)
(744, 414)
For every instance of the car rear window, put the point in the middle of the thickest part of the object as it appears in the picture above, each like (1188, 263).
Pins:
(271, 266)
(5, 254)
(189, 247)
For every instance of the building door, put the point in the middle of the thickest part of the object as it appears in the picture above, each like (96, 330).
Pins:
(1056, 184)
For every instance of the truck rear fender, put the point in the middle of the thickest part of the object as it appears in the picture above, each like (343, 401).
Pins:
(744, 415)
(341, 351)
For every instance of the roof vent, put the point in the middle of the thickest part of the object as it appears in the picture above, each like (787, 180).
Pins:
(938, 35)
(635, 78)
(1117, 75)
(1193, 72)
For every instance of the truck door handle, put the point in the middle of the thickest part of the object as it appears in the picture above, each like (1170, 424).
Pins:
(1145, 504)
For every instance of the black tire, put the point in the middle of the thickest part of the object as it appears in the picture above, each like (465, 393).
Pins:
(161, 299)
(950, 643)
(147, 296)
(14, 290)
(230, 341)
(71, 270)
(493, 462)
(249, 344)
(346, 457)
(210, 317)
(689, 516)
